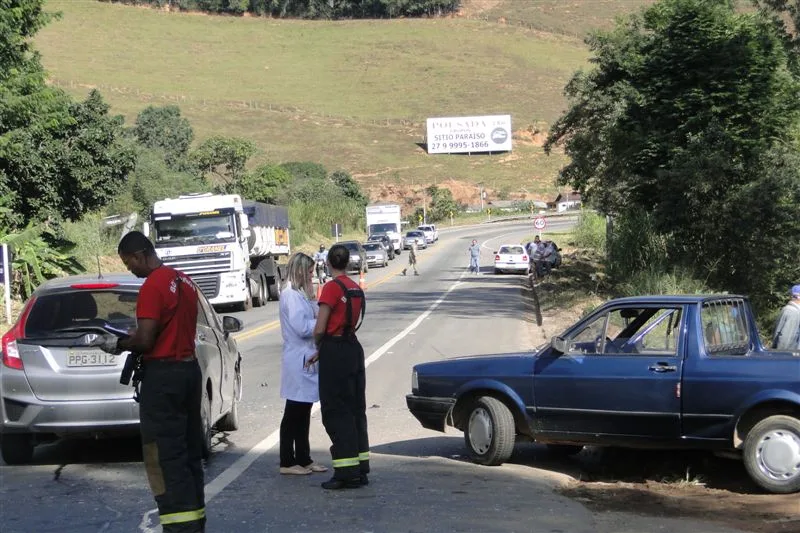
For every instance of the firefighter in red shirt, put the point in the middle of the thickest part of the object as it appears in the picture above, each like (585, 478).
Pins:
(169, 412)
(342, 376)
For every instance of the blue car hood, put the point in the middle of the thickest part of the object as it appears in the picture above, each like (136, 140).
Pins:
(480, 365)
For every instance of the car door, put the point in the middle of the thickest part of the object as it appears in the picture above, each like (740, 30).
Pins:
(208, 345)
(620, 375)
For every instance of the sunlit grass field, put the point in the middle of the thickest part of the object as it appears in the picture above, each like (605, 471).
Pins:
(353, 95)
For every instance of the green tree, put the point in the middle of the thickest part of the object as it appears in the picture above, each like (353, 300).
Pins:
(163, 128)
(224, 158)
(441, 203)
(349, 187)
(688, 111)
(266, 183)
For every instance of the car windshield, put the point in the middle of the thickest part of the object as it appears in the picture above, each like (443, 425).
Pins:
(414, 234)
(372, 246)
(352, 246)
(512, 250)
(382, 228)
(195, 230)
(81, 308)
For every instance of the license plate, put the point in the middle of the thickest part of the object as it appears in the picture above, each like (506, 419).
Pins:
(90, 358)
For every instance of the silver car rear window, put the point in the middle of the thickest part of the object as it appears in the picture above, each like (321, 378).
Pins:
(61, 310)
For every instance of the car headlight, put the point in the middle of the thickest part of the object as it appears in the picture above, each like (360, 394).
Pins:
(414, 380)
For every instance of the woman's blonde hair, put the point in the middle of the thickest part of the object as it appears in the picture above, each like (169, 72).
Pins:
(297, 274)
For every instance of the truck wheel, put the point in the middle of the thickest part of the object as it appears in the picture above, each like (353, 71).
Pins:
(272, 289)
(260, 298)
(490, 431)
(772, 454)
(16, 448)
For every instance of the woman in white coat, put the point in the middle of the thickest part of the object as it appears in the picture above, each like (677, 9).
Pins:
(299, 378)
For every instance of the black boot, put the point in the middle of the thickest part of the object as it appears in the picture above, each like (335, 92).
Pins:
(363, 479)
(336, 484)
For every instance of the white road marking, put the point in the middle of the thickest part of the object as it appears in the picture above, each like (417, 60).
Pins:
(230, 474)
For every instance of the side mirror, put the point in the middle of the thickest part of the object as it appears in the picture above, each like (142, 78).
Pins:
(559, 345)
(495, 252)
(231, 324)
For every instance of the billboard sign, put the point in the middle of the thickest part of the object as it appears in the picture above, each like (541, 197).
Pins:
(461, 135)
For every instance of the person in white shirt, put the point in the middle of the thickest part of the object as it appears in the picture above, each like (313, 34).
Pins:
(299, 377)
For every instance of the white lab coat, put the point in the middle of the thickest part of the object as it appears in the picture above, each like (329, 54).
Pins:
(298, 315)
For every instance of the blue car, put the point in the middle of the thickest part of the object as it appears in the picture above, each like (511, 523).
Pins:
(647, 372)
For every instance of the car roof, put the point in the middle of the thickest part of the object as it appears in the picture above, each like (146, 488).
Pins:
(509, 245)
(121, 278)
(674, 298)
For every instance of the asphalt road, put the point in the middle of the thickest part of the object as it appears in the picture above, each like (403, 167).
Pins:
(421, 481)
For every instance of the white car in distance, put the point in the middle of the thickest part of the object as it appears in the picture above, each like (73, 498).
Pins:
(511, 258)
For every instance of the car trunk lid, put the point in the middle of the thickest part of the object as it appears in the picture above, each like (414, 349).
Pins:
(56, 355)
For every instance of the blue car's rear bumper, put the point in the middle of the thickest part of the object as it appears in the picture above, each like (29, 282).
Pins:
(431, 412)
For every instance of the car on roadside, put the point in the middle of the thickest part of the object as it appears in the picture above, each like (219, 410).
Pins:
(511, 258)
(376, 254)
(358, 256)
(53, 384)
(431, 234)
(650, 372)
(386, 241)
(415, 235)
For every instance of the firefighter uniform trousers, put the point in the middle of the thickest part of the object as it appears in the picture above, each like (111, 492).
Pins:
(172, 442)
(343, 403)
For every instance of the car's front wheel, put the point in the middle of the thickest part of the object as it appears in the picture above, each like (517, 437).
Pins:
(16, 448)
(772, 454)
(489, 433)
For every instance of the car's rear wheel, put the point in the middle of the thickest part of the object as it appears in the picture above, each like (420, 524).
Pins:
(205, 417)
(772, 454)
(490, 431)
(16, 448)
(230, 422)
(564, 450)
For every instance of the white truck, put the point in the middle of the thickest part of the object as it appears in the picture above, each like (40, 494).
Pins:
(229, 246)
(385, 218)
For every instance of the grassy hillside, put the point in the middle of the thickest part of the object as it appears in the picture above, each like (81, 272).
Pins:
(350, 94)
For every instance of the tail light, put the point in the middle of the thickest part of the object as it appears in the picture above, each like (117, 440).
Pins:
(11, 357)
(497, 258)
(525, 258)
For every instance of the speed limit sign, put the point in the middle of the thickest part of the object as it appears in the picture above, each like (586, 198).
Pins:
(539, 223)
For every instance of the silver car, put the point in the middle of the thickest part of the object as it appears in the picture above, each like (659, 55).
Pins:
(376, 254)
(52, 384)
(415, 235)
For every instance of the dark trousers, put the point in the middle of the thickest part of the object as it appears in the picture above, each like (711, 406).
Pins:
(343, 402)
(172, 443)
(295, 449)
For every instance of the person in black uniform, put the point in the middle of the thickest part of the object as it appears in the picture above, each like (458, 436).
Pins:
(169, 412)
(342, 376)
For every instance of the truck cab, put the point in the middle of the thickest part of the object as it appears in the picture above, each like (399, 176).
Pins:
(227, 245)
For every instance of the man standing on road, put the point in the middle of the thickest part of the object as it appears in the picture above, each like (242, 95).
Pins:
(169, 413)
(787, 329)
(342, 375)
(412, 258)
(474, 256)
(321, 258)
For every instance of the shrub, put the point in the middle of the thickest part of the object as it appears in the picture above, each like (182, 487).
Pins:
(590, 232)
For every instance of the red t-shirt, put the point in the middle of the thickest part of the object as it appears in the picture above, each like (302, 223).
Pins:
(158, 300)
(333, 296)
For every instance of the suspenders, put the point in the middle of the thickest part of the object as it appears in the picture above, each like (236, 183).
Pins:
(349, 294)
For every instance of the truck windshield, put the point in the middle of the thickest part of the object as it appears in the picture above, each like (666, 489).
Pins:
(382, 228)
(195, 230)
